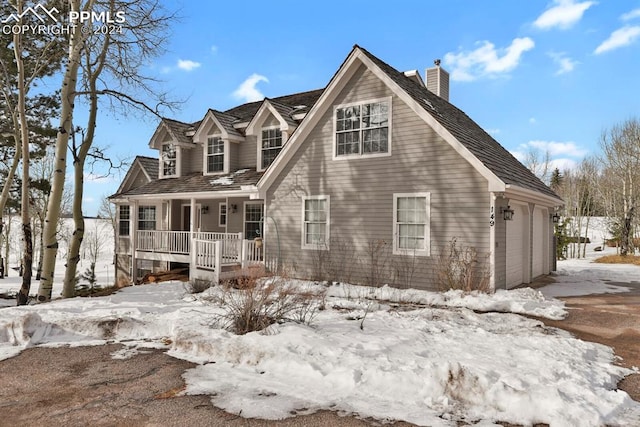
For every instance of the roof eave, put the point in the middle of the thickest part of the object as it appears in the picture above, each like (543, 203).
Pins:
(533, 196)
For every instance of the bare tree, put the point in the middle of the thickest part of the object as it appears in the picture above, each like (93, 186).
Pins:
(109, 65)
(108, 212)
(539, 163)
(621, 157)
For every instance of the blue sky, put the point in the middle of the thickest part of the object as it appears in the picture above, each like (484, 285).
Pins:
(551, 75)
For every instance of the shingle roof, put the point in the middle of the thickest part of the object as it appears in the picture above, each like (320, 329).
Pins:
(493, 155)
(150, 165)
(226, 120)
(178, 129)
(245, 112)
(285, 111)
(197, 183)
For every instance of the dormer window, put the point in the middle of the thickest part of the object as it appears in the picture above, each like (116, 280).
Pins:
(169, 160)
(215, 154)
(271, 145)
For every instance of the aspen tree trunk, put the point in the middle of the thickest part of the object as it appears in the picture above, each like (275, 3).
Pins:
(27, 262)
(80, 155)
(68, 93)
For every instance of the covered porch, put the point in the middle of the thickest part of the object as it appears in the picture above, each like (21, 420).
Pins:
(214, 237)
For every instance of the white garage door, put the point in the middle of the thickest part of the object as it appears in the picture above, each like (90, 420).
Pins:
(515, 247)
(539, 239)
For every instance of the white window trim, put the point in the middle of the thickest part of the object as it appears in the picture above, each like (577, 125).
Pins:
(427, 229)
(226, 214)
(334, 155)
(327, 234)
(225, 155)
(157, 211)
(244, 216)
(123, 236)
(285, 137)
(178, 161)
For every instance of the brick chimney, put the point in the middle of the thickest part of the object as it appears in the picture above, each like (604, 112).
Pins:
(438, 80)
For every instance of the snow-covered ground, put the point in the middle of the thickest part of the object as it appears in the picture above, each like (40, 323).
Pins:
(445, 358)
(98, 232)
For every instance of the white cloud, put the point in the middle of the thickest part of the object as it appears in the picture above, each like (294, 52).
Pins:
(564, 14)
(247, 91)
(214, 49)
(187, 64)
(565, 64)
(486, 60)
(619, 38)
(555, 149)
(532, 120)
(635, 13)
(563, 164)
(493, 131)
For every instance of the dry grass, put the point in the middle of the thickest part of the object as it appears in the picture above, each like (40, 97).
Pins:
(619, 259)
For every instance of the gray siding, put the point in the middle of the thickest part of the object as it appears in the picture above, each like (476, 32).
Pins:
(234, 149)
(192, 159)
(247, 149)
(361, 192)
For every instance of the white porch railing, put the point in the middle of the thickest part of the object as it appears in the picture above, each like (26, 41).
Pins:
(174, 242)
(207, 250)
(231, 245)
(251, 252)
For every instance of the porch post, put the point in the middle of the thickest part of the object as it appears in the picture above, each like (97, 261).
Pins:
(133, 226)
(192, 238)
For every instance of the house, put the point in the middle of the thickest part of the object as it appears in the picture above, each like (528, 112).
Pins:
(367, 180)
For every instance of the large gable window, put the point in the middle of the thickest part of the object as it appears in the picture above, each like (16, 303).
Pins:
(169, 160)
(411, 224)
(362, 129)
(271, 145)
(315, 222)
(215, 154)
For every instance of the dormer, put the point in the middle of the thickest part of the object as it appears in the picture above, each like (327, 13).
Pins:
(272, 124)
(170, 138)
(216, 134)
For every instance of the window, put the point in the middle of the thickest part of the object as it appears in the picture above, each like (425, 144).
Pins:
(169, 159)
(124, 216)
(147, 218)
(253, 220)
(411, 224)
(315, 222)
(271, 145)
(362, 129)
(222, 215)
(215, 154)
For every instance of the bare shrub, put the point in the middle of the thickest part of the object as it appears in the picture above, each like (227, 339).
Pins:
(404, 268)
(197, 286)
(320, 262)
(378, 261)
(459, 268)
(252, 304)
(342, 261)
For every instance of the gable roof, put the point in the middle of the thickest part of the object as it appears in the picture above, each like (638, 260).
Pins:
(482, 145)
(148, 166)
(178, 130)
(493, 161)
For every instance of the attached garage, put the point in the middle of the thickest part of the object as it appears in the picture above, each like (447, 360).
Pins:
(516, 253)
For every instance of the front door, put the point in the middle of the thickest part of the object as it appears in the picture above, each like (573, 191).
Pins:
(186, 218)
